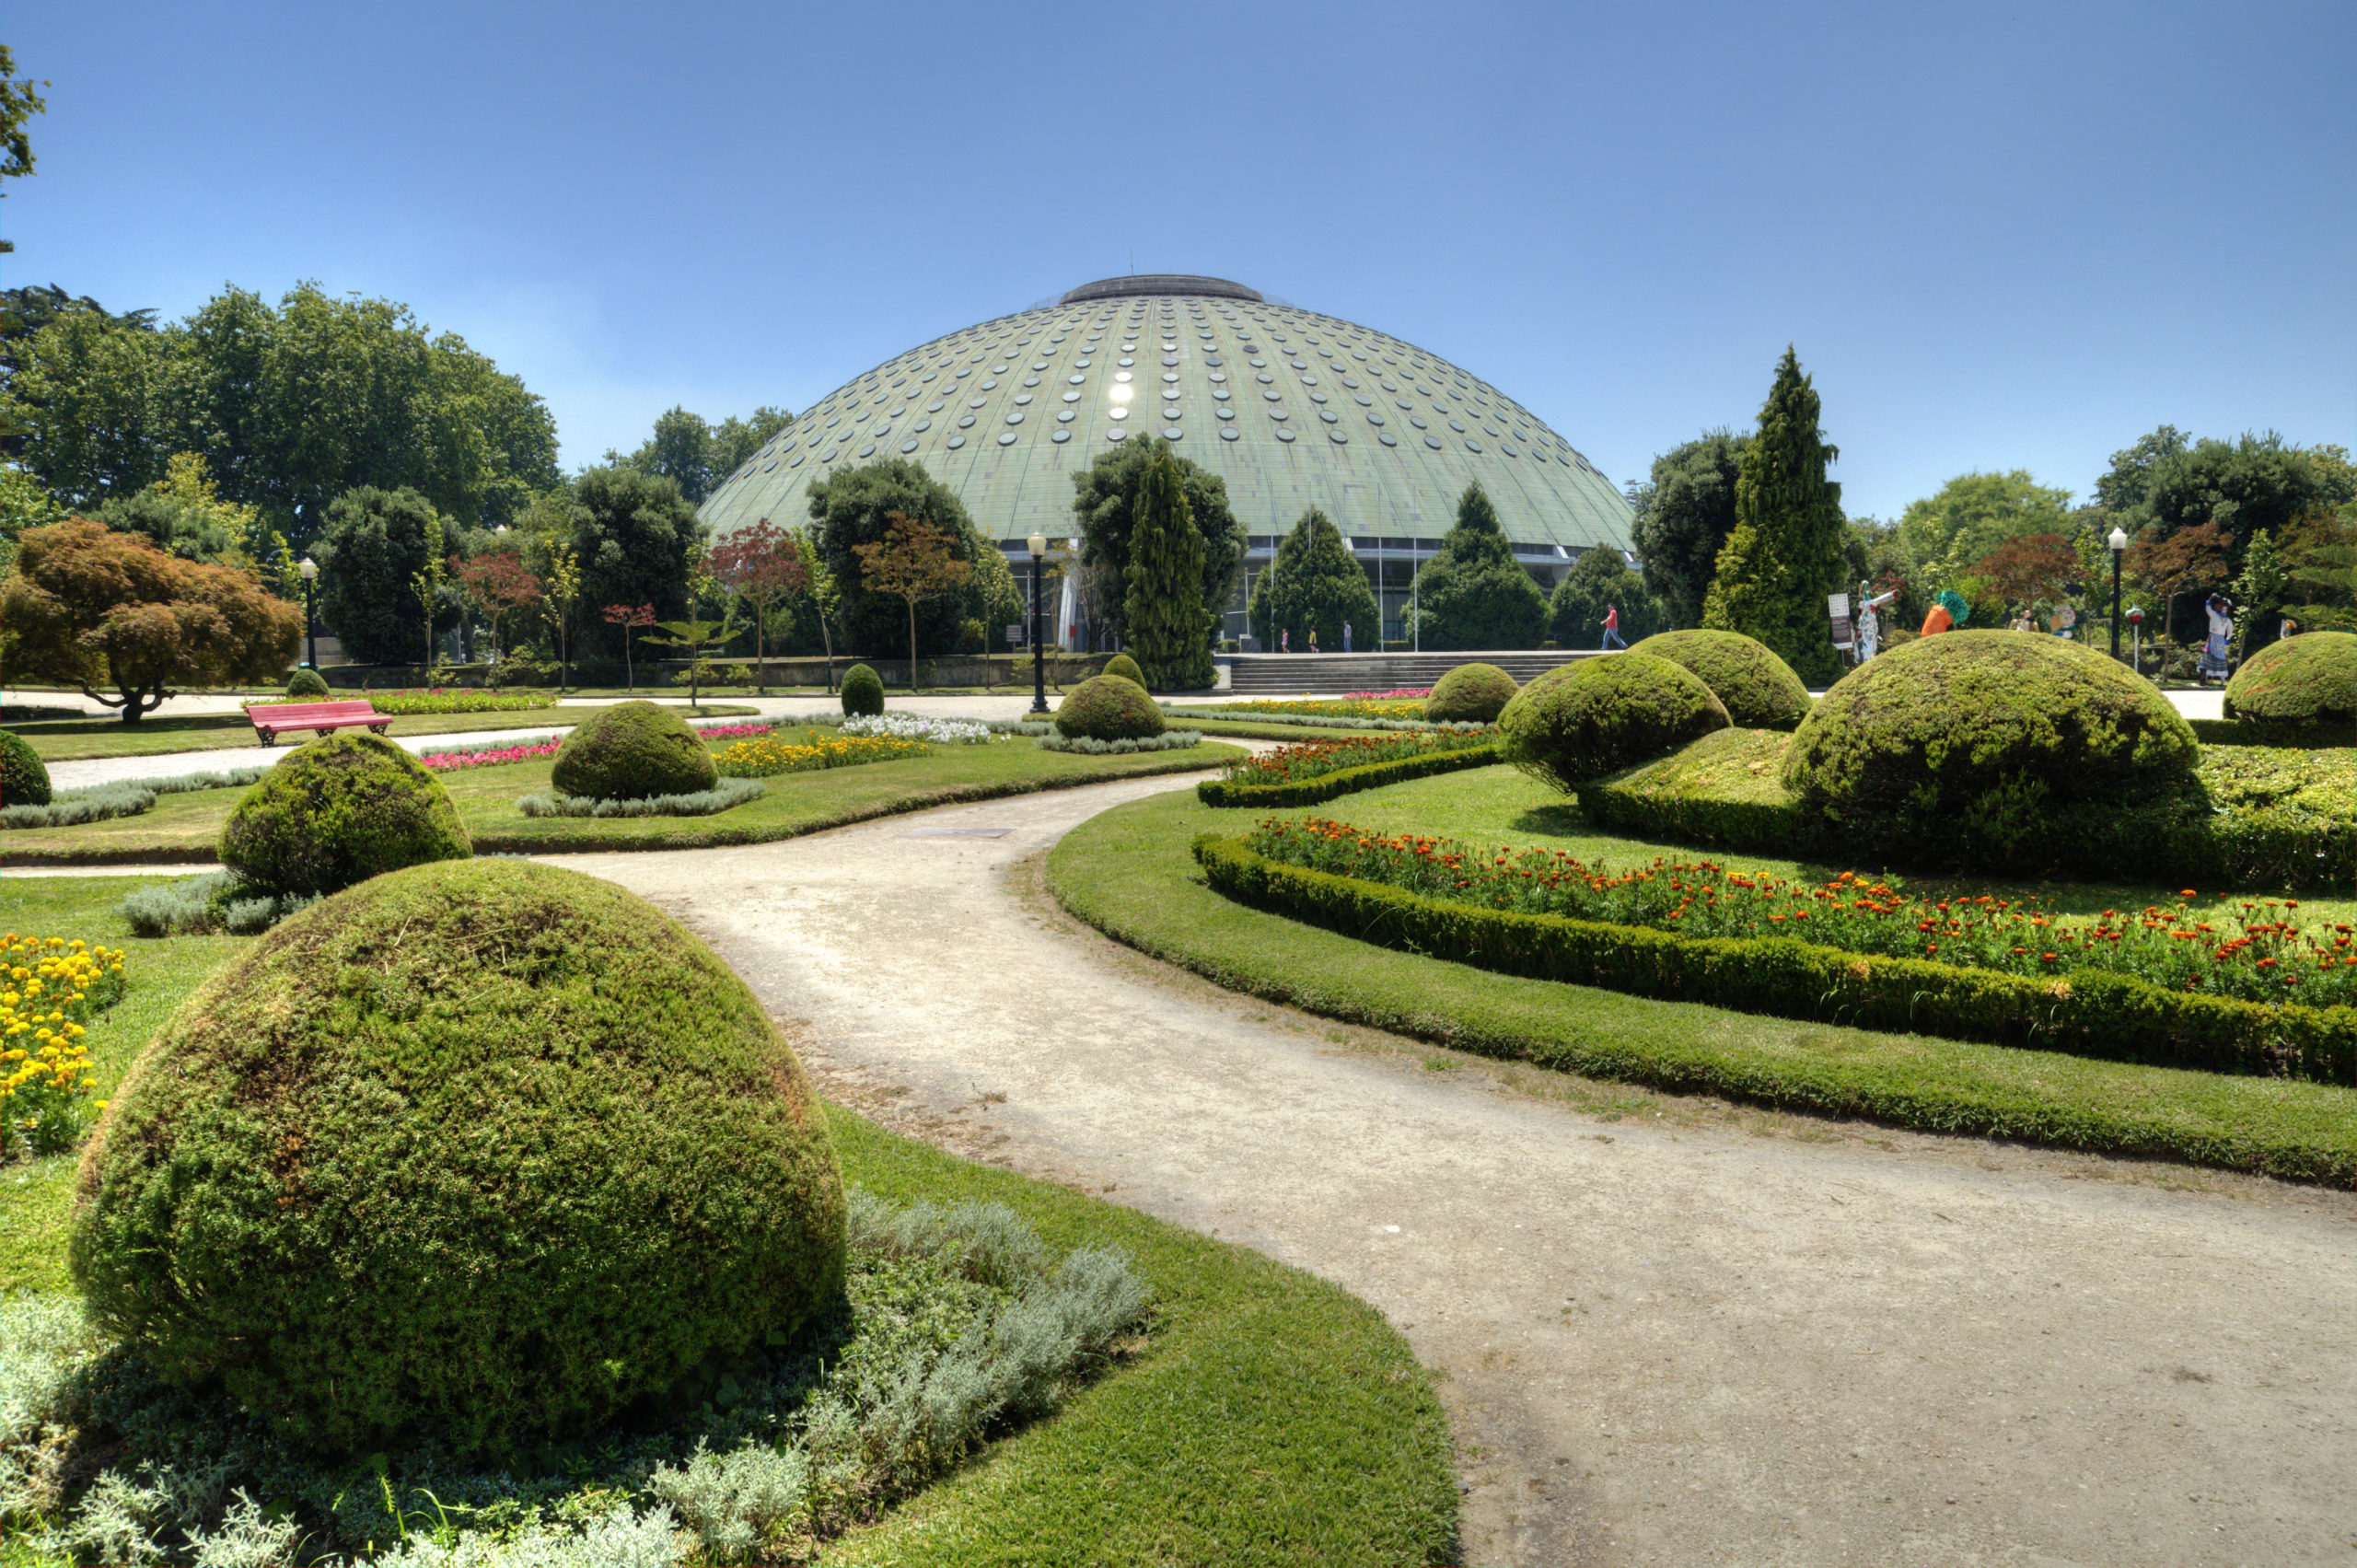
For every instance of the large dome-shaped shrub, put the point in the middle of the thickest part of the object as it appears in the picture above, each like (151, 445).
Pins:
(630, 752)
(337, 811)
(863, 693)
(2307, 680)
(24, 778)
(1969, 735)
(306, 685)
(490, 1149)
(1125, 666)
(1760, 690)
(1471, 693)
(1581, 721)
(1108, 708)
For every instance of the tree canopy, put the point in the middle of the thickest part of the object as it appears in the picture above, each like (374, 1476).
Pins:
(107, 612)
(1974, 513)
(19, 104)
(1170, 628)
(2249, 485)
(1314, 583)
(1105, 498)
(697, 456)
(290, 406)
(635, 534)
(1472, 593)
(854, 506)
(1598, 579)
(1785, 554)
(372, 544)
(1685, 511)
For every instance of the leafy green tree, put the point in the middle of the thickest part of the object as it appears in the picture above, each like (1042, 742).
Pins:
(913, 562)
(1473, 594)
(184, 514)
(855, 507)
(637, 535)
(697, 456)
(24, 503)
(2124, 488)
(1314, 584)
(2259, 591)
(1599, 578)
(1974, 513)
(425, 583)
(19, 104)
(290, 406)
(2322, 549)
(1785, 554)
(1105, 496)
(372, 544)
(2257, 484)
(1169, 629)
(1685, 511)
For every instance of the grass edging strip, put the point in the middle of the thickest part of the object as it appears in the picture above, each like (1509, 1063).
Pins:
(1127, 872)
(2085, 1012)
(1343, 781)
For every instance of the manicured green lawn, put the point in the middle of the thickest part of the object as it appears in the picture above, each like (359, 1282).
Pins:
(185, 827)
(1128, 871)
(67, 740)
(1269, 1417)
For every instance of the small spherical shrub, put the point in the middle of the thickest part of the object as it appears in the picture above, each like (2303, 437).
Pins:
(480, 1151)
(1961, 742)
(2307, 680)
(863, 692)
(1471, 693)
(630, 752)
(1108, 708)
(1126, 667)
(1582, 720)
(24, 779)
(1760, 690)
(338, 811)
(306, 685)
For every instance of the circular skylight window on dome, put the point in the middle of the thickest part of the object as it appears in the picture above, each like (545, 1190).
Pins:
(1061, 436)
(1006, 439)
(1285, 435)
(1172, 434)
(1228, 433)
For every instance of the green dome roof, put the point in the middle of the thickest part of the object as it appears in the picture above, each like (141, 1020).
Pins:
(1292, 407)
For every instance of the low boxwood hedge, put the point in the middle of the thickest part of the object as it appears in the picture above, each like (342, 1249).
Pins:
(2246, 816)
(2085, 1013)
(1344, 781)
(2248, 731)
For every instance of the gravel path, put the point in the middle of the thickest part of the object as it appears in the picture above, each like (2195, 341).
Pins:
(1717, 1337)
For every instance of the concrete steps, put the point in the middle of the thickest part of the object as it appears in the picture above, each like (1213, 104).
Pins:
(1290, 674)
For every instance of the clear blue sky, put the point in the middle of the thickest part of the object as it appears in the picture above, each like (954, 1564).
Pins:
(2001, 236)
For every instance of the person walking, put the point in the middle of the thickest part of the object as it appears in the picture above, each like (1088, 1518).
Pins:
(2221, 610)
(1284, 640)
(1612, 628)
(1313, 639)
(1346, 636)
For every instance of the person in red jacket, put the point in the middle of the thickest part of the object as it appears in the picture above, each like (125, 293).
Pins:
(1612, 627)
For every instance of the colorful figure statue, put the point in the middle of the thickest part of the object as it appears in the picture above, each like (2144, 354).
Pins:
(1870, 622)
(1948, 611)
(2221, 610)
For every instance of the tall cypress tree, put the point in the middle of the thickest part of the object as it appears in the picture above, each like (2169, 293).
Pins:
(1474, 593)
(1162, 610)
(1784, 555)
(1314, 582)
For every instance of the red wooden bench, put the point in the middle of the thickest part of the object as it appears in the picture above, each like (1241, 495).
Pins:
(273, 720)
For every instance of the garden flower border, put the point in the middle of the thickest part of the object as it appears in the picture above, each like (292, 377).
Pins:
(1345, 781)
(2085, 1013)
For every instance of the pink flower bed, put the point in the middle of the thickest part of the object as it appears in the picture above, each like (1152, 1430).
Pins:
(734, 731)
(443, 761)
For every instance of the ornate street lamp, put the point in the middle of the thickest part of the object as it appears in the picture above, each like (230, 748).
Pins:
(310, 570)
(1038, 545)
(2119, 543)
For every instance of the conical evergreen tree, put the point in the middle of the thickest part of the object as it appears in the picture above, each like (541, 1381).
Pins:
(1314, 582)
(1784, 555)
(1162, 610)
(1473, 594)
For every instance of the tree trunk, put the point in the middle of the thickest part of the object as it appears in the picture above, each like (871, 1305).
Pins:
(913, 648)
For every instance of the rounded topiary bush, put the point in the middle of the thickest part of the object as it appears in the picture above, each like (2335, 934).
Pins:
(863, 692)
(1471, 693)
(1108, 707)
(337, 811)
(1582, 720)
(2307, 680)
(486, 1151)
(1126, 667)
(306, 685)
(1961, 742)
(1760, 690)
(24, 779)
(632, 750)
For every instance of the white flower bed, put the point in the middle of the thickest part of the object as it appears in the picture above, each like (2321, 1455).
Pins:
(908, 726)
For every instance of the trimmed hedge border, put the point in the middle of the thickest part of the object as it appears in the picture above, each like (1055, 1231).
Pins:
(1344, 781)
(2085, 1013)
(2258, 732)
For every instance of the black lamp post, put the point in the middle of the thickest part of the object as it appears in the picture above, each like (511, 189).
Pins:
(1038, 545)
(2119, 543)
(310, 570)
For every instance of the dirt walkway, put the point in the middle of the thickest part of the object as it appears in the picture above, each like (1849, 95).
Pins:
(1713, 1338)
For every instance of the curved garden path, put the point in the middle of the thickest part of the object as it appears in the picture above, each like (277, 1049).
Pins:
(1715, 1337)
